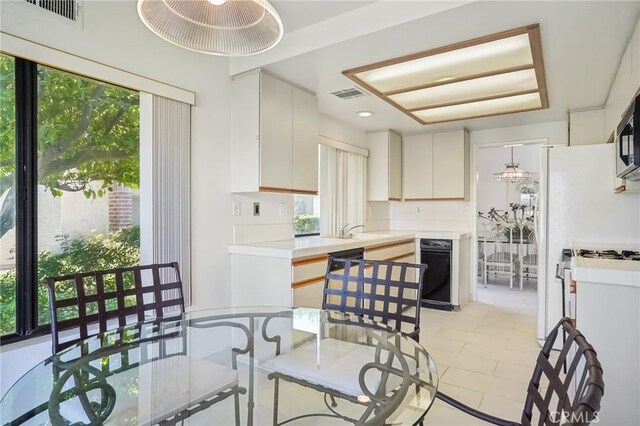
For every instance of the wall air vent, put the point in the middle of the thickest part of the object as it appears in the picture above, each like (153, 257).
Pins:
(65, 8)
(350, 93)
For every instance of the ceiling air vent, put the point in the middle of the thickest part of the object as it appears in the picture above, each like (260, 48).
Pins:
(350, 93)
(64, 8)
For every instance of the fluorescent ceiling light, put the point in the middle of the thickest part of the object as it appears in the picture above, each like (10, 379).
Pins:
(495, 74)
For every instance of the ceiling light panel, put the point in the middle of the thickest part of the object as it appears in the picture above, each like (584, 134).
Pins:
(518, 103)
(452, 65)
(469, 90)
(490, 72)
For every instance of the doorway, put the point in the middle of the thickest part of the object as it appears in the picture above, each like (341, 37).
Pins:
(506, 225)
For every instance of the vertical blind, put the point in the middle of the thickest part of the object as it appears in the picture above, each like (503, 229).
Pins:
(343, 189)
(171, 185)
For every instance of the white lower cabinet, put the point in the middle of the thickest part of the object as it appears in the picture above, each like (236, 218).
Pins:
(275, 281)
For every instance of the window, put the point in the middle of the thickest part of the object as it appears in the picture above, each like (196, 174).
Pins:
(74, 207)
(306, 215)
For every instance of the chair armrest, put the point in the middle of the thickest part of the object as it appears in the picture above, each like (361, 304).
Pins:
(473, 412)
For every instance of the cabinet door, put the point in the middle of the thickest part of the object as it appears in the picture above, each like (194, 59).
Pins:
(305, 142)
(245, 133)
(378, 166)
(275, 134)
(417, 167)
(449, 166)
(395, 166)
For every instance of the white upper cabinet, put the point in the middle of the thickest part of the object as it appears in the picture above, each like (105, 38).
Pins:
(451, 165)
(384, 167)
(305, 142)
(274, 136)
(417, 167)
(276, 133)
(436, 166)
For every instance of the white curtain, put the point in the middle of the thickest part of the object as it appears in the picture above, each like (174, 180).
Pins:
(171, 188)
(343, 189)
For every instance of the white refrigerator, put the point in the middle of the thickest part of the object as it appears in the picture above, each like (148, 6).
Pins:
(577, 203)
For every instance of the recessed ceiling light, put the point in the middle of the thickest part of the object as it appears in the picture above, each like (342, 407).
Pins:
(364, 113)
(491, 75)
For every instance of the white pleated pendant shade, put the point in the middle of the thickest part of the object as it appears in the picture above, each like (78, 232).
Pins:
(233, 28)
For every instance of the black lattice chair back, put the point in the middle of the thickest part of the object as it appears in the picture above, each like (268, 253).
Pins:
(387, 292)
(89, 303)
(566, 386)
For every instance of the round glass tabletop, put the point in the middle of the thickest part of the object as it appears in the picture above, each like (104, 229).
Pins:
(232, 366)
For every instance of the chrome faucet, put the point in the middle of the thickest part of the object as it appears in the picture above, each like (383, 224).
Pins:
(346, 233)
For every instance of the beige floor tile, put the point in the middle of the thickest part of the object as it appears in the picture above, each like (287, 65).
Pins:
(463, 323)
(505, 316)
(501, 407)
(525, 359)
(438, 341)
(497, 386)
(466, 362)
(523, 343)
(488, 330)
(513, 371)
(440, 415)
(493, 322)
(480, 339)
(466, 396)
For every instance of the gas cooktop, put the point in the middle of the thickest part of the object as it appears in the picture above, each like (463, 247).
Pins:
(608, 254)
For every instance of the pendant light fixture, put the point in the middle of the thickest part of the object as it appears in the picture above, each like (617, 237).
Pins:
(512, 173)
(215, 27)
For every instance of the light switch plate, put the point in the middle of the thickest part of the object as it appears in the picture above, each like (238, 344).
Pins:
(256, 209)
(236, 208)
(284, 209)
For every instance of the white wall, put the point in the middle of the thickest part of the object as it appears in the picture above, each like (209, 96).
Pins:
(111, 33)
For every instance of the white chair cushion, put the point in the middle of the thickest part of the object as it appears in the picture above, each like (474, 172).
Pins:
(334, 365)
(166, 387)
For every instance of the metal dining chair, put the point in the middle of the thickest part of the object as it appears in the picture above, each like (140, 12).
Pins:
(501, 257)
(567, 391)
(86, 304)
(386, 292)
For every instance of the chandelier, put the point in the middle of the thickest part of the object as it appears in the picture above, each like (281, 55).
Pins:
(215, 27)
(512, 173)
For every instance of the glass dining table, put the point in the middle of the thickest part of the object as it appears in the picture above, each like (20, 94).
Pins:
(253, 366)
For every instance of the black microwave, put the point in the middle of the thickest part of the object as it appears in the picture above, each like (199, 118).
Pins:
(628, 143)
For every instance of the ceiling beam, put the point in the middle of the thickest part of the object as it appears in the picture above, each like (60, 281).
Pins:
(355, 23)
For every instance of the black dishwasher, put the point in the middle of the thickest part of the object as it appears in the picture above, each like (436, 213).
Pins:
(356, 254)
(436, 284)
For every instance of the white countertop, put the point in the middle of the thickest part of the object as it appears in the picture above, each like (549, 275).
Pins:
(606, 271)
(309, 246)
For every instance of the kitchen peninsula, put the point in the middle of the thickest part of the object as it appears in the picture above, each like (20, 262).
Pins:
(259, 270)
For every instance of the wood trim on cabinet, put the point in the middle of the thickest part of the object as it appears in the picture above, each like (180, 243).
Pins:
(388, 245)
(286, 190)
(395, 199)
(394, 258)
(309, 259)
(308, 281)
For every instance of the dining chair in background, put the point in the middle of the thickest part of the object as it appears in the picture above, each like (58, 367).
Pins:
(567, 390)
(88, 303)
(85, 304)
(385, 292)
